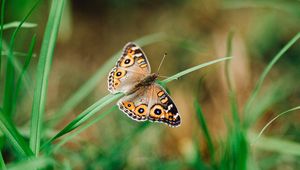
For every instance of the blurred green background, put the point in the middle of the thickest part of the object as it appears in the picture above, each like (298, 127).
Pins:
(191, 32)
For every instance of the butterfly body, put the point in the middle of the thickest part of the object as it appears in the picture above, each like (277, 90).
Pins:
(147, 81)
(145, 99)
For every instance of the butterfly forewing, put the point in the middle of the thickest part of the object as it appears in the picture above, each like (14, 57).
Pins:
(130, 69)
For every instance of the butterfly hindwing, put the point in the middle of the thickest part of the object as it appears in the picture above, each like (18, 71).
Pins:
(150, 103)
(162, 108)
(136, 104)
(130, 69)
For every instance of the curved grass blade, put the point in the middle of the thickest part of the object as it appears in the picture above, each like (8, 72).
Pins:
(16, 140)
(10, 72)
(266, 71)
(232, 94)
(271, 121)
(80, 119)
(205, 131)
(81, 129)
(17, 23)
(1, 31)
(32, 163)
(92, 83)
(277, 145)
(2, 163)
(182, 73)
(24, 70)
(17, 66)
(275, 93)
(43, 70)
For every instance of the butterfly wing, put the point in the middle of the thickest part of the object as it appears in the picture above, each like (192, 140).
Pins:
(150, 103)
(130, 69)
(136, 104)
(162, 108)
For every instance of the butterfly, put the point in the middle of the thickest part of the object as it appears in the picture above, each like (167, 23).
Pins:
(144, 98)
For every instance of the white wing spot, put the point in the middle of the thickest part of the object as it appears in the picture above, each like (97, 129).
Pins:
(169, 107)
(138, 54)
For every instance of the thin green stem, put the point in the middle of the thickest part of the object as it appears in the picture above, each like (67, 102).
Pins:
(271, 121)
(16, 24)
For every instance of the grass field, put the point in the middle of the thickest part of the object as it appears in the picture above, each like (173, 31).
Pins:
(232, 69)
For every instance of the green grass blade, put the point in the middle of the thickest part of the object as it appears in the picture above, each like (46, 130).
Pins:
(32, 163)
(271, 121)
(232, 95)
(17, 66)
(227, 62)
(43, 70)
(276, 145)
(275, 93)
(81, 129)
(81, 118)
(205, 131)
(187, 71)
(16, 140)
(2, 163)
(24, 70)
(1, 31)
(266, 71)
(101, 73)
(17, 23)
(10, 72)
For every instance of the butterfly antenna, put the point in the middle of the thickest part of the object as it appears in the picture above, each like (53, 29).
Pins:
(161, 62)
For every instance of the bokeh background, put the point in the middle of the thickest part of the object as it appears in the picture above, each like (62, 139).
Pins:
(191, 32)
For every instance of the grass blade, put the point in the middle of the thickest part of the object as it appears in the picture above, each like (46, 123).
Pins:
(1, 31)
(205, 131)
(16, 140)
(266, 71)
(277, 145)
(43, 70)
(24, 70)
(10, 71)
(32, 163)
(232, 94)
(81, 118)
(2, 163)
(100, 117)
(17, 23)
(17, 66)
(276, 92)
(101, 73)
(187, 71)
(271, 121)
